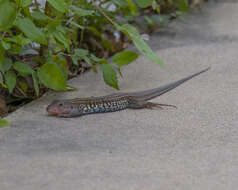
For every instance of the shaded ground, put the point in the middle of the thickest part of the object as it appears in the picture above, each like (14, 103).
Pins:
(192, 147)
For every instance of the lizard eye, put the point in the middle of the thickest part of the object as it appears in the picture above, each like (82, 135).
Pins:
(60, 104)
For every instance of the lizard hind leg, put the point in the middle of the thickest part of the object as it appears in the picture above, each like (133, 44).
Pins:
(137, 104)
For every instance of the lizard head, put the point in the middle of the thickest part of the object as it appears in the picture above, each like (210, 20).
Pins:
(62, 108)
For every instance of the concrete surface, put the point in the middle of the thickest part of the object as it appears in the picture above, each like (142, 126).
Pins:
(192, 147)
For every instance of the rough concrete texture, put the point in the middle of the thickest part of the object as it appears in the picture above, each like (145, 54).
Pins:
(192, 147)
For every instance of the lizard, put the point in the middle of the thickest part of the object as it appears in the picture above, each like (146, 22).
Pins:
(114, 102)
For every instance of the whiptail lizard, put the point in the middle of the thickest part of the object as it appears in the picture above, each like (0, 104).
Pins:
(113, 102)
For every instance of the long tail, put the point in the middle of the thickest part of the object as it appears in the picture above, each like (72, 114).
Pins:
(150, 94)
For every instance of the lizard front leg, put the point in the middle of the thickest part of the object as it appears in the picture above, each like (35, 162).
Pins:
(140, 104)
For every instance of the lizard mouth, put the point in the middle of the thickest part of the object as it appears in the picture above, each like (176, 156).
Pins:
(52, 110)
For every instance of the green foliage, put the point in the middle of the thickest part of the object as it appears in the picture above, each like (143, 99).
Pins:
(140, 43)
(59, 5)
(52, 76)
(23, 68)
(109, 75)
(144, 3)
(61, 35)
(8, 11)
(31, 31)
(183, 5)
(6, 65)
(4, 123)
(11, 80)
(124, 58)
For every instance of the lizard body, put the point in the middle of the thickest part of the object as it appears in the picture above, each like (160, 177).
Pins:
(113, 102)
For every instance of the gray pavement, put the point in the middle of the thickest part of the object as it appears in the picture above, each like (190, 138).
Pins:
(192, 147)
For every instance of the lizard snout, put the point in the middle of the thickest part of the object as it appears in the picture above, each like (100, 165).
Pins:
(57, 108)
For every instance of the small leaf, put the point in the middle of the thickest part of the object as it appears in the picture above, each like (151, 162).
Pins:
(144, 3)
(124, 58)
(149, 20)
(132, 7)
(4, 123)
(26, 3)
(88, 61)
(81, 52)
(59, 5)
(31, 31)
(6, 65)
(98, 60)
(6, 45)
(74, 59)
(140, 43)
(22, 68)
(77, 25)
(10, 78)
(23, 3)
(183, 5)
(36, 83)
(25, 51)
(8, 13)
(23, 86)
(38, 15)
(82, 12)
(109, 75)
(52, 77)
(61, 38)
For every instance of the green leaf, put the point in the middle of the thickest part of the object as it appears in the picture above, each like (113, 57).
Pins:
(76, 24)
(23, 86)
(26, 3)
(6, 65)
(98, 60)
(81, 52)
(144, 3)
(8, 13)
(4, 123)
(183, 5)
(124, 58)
(18, 39)
(27, 51)
(10, 78)
(52, 77)
(38, 15)
(36, 83)
(23, 3)
(109, 75)
(120, 3)
(156, 6)
(31, 31)
(132, 7)
(22, 68)
(74, 59)
(59, 5)
(6, 45)
(149, 20)
(88, 61)
(61, 38)
(140, 43)
(82, 12)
